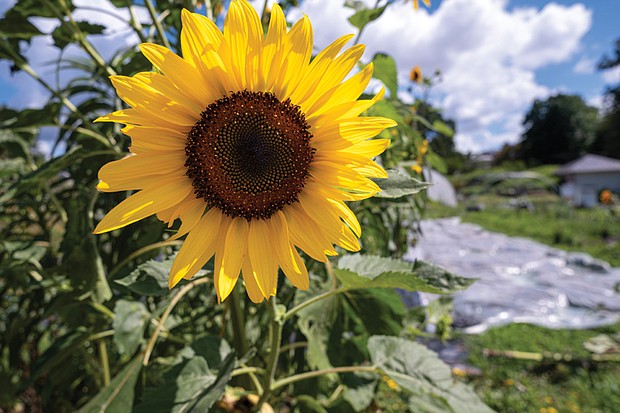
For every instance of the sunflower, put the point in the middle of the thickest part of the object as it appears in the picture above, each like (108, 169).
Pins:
(251, 144)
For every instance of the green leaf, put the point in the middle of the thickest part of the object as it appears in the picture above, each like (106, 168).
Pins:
(33, 8)
(65, 33)
(365, 16)
(190, 387)
(130, 319)
(385, 71)
(443, 128)
(51, 168)
(399, 183)
(359, 389)
(307, 404)
(374, 310)
(419, 371)
(118, 396)
(149, 278)
(80, 253)
(437, 162)
(366, 271)
(316, 322)
(16, 26)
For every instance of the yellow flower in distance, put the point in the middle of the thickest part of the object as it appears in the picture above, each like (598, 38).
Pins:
(252, 144)
(415, 75)
(416, 4)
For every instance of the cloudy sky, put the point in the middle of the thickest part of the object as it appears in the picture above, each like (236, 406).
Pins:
(495, 56)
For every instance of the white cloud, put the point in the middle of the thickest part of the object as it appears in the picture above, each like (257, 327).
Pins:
(585, 66)
(487, 54)
(42, 54)
(612, 76)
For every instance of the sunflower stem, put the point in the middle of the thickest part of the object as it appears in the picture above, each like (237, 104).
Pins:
(275, 337)
(240, 341)
(209, 10)
(359, 34)
(79, 34)
(311, 301)
(151, 344)
(251, 372)
(143, 250)
(105, 363)
(135, 22)
(263, 17)
(310, 374)
(157, 23)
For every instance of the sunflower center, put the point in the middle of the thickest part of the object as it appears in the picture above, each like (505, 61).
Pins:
(249, 154)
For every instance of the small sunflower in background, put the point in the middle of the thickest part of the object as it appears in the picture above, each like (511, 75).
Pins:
(251, 145)
(415, 75)
(606, 197)
(419, 161)
(416, 4)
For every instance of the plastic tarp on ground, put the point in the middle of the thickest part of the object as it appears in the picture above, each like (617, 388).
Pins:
(441, 189)
(520, 280)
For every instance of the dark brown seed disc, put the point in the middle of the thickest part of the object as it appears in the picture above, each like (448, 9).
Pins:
(249, 154)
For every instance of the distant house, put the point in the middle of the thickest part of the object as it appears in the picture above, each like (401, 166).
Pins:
(587, 176)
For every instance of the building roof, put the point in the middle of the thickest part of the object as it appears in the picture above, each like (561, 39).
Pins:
(590, 164)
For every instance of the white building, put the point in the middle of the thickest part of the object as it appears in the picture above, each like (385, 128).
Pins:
(587, 176)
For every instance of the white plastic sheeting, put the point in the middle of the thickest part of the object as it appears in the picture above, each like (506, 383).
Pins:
(520, 280)
(441, 189)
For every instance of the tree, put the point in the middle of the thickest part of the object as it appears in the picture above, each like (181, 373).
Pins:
(558, 129)
(607, 140)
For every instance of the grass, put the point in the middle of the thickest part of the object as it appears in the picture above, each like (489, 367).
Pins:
(548, 386)
(553, 222)
(510, 385)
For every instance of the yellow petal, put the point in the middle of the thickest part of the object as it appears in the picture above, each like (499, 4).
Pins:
(198, 32)
(150, 102)
(273, 49)
(233, 49)
(305, 234)
(251, 286)
(361, 164)
(143, 204)
(336, 175)
(155, 138)
(335, 73)
(317, 69)
(347, 216)
(136, 117)
(117, 174)
(164, 86)
(300, 40)
(254, 30)
(184, 76)
(327, 218)
(197, 249)
(286, 253)
(261, 257)
(348, 132)
(347, 91)
(190, 217)
(234, 253)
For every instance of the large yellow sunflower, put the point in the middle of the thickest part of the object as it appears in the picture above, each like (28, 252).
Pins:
(252, 144)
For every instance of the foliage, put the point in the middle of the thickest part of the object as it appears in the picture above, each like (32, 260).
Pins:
(513, 385)
(557, 130)
(550, 221)
(607, 140)
(88, 323)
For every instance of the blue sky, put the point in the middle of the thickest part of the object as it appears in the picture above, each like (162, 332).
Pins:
(496, 56)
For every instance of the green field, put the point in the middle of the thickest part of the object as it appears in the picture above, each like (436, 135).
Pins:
(548, 386)
(552, 221)
(513, 385)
